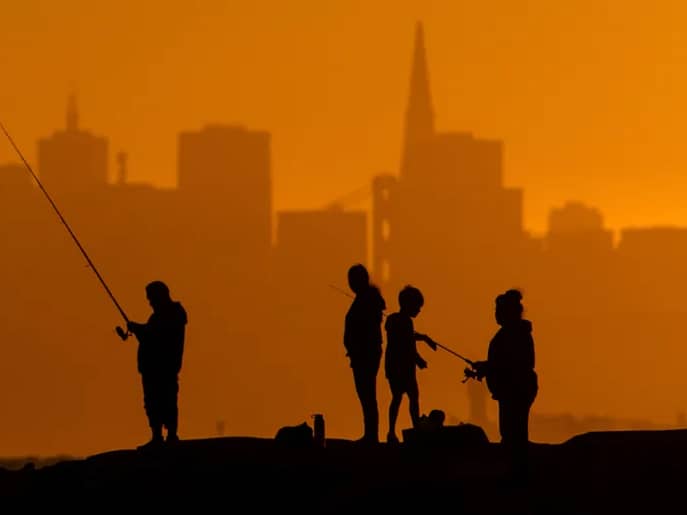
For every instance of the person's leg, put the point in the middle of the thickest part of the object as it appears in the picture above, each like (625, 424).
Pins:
(374, 410)
(414, 403)
(365, 377)
(513, 422)
(394, 405)
(371, 410)
(506, 422)
(171, 408)
(520, 443)
(360, 378)
(151, 404)
(521, 415)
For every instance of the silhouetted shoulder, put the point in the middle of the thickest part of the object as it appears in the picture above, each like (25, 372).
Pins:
(397, 324)
(179, 313)
(375, 298)
(391, 321)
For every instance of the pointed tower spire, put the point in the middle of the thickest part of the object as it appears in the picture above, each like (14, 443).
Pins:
(419, 112)
(72, 113)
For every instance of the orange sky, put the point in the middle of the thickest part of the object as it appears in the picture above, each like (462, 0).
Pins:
(587, 95)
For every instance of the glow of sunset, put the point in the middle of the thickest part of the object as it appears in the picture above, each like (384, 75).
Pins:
(588, 98)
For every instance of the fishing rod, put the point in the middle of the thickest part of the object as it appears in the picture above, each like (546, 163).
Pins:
(469, 362)
(342, 292)
(466, 360)
(122, 334)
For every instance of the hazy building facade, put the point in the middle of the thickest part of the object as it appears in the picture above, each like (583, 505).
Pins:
(263, 314)
(652, 258)
(224, 176)
(73, 161)
(225, 199)
(446, 223)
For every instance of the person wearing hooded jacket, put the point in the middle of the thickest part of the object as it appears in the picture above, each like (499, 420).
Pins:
(159, 359)
(510, 374)
(363, 344)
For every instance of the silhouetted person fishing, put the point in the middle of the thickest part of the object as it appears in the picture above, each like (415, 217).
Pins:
(160, 354)
(363, 343)
(510, 375)
(401, 357)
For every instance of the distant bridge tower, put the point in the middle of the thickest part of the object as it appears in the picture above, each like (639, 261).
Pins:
(384, 201)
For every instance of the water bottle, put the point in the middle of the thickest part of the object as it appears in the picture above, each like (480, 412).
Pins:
(319, 429)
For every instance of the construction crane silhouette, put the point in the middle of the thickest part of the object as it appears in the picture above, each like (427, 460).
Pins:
(352, 198)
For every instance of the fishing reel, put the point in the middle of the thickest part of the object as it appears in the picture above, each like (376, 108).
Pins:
(122, 333)
(471, 373)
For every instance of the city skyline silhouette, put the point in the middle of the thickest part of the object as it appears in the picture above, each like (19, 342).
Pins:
(264, 338)
(588, 100)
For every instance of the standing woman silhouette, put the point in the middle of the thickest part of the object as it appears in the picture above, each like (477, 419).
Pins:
(510, 374)
(363, 343)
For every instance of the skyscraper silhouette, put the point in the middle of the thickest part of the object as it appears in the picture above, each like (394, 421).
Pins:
(444, 220)
(73, 161)
(419, 115)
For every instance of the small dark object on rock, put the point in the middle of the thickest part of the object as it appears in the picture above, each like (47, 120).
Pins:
(296, 436)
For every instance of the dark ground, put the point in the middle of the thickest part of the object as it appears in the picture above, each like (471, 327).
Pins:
(609, 473)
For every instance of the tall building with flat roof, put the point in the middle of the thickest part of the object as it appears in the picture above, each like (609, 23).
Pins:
(578, 229)
(224, 177)
(314, 249)
(654, 259)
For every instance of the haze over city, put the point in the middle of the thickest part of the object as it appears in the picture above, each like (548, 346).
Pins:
(588, 97)
(250, 152)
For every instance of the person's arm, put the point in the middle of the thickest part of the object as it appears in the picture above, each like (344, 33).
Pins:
(347, 338)
(481, 369)
(420, 362)
(419, 337)
(136, 328)
(145, 331)
(350, 329)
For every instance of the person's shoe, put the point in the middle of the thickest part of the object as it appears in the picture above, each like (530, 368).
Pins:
(392, 439)
(366, 440)
(172, 439)
(154, 443)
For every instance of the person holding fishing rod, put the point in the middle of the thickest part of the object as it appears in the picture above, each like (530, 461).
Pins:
(161, 339)
(510, 375)
(401, 357)
(159, 358)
